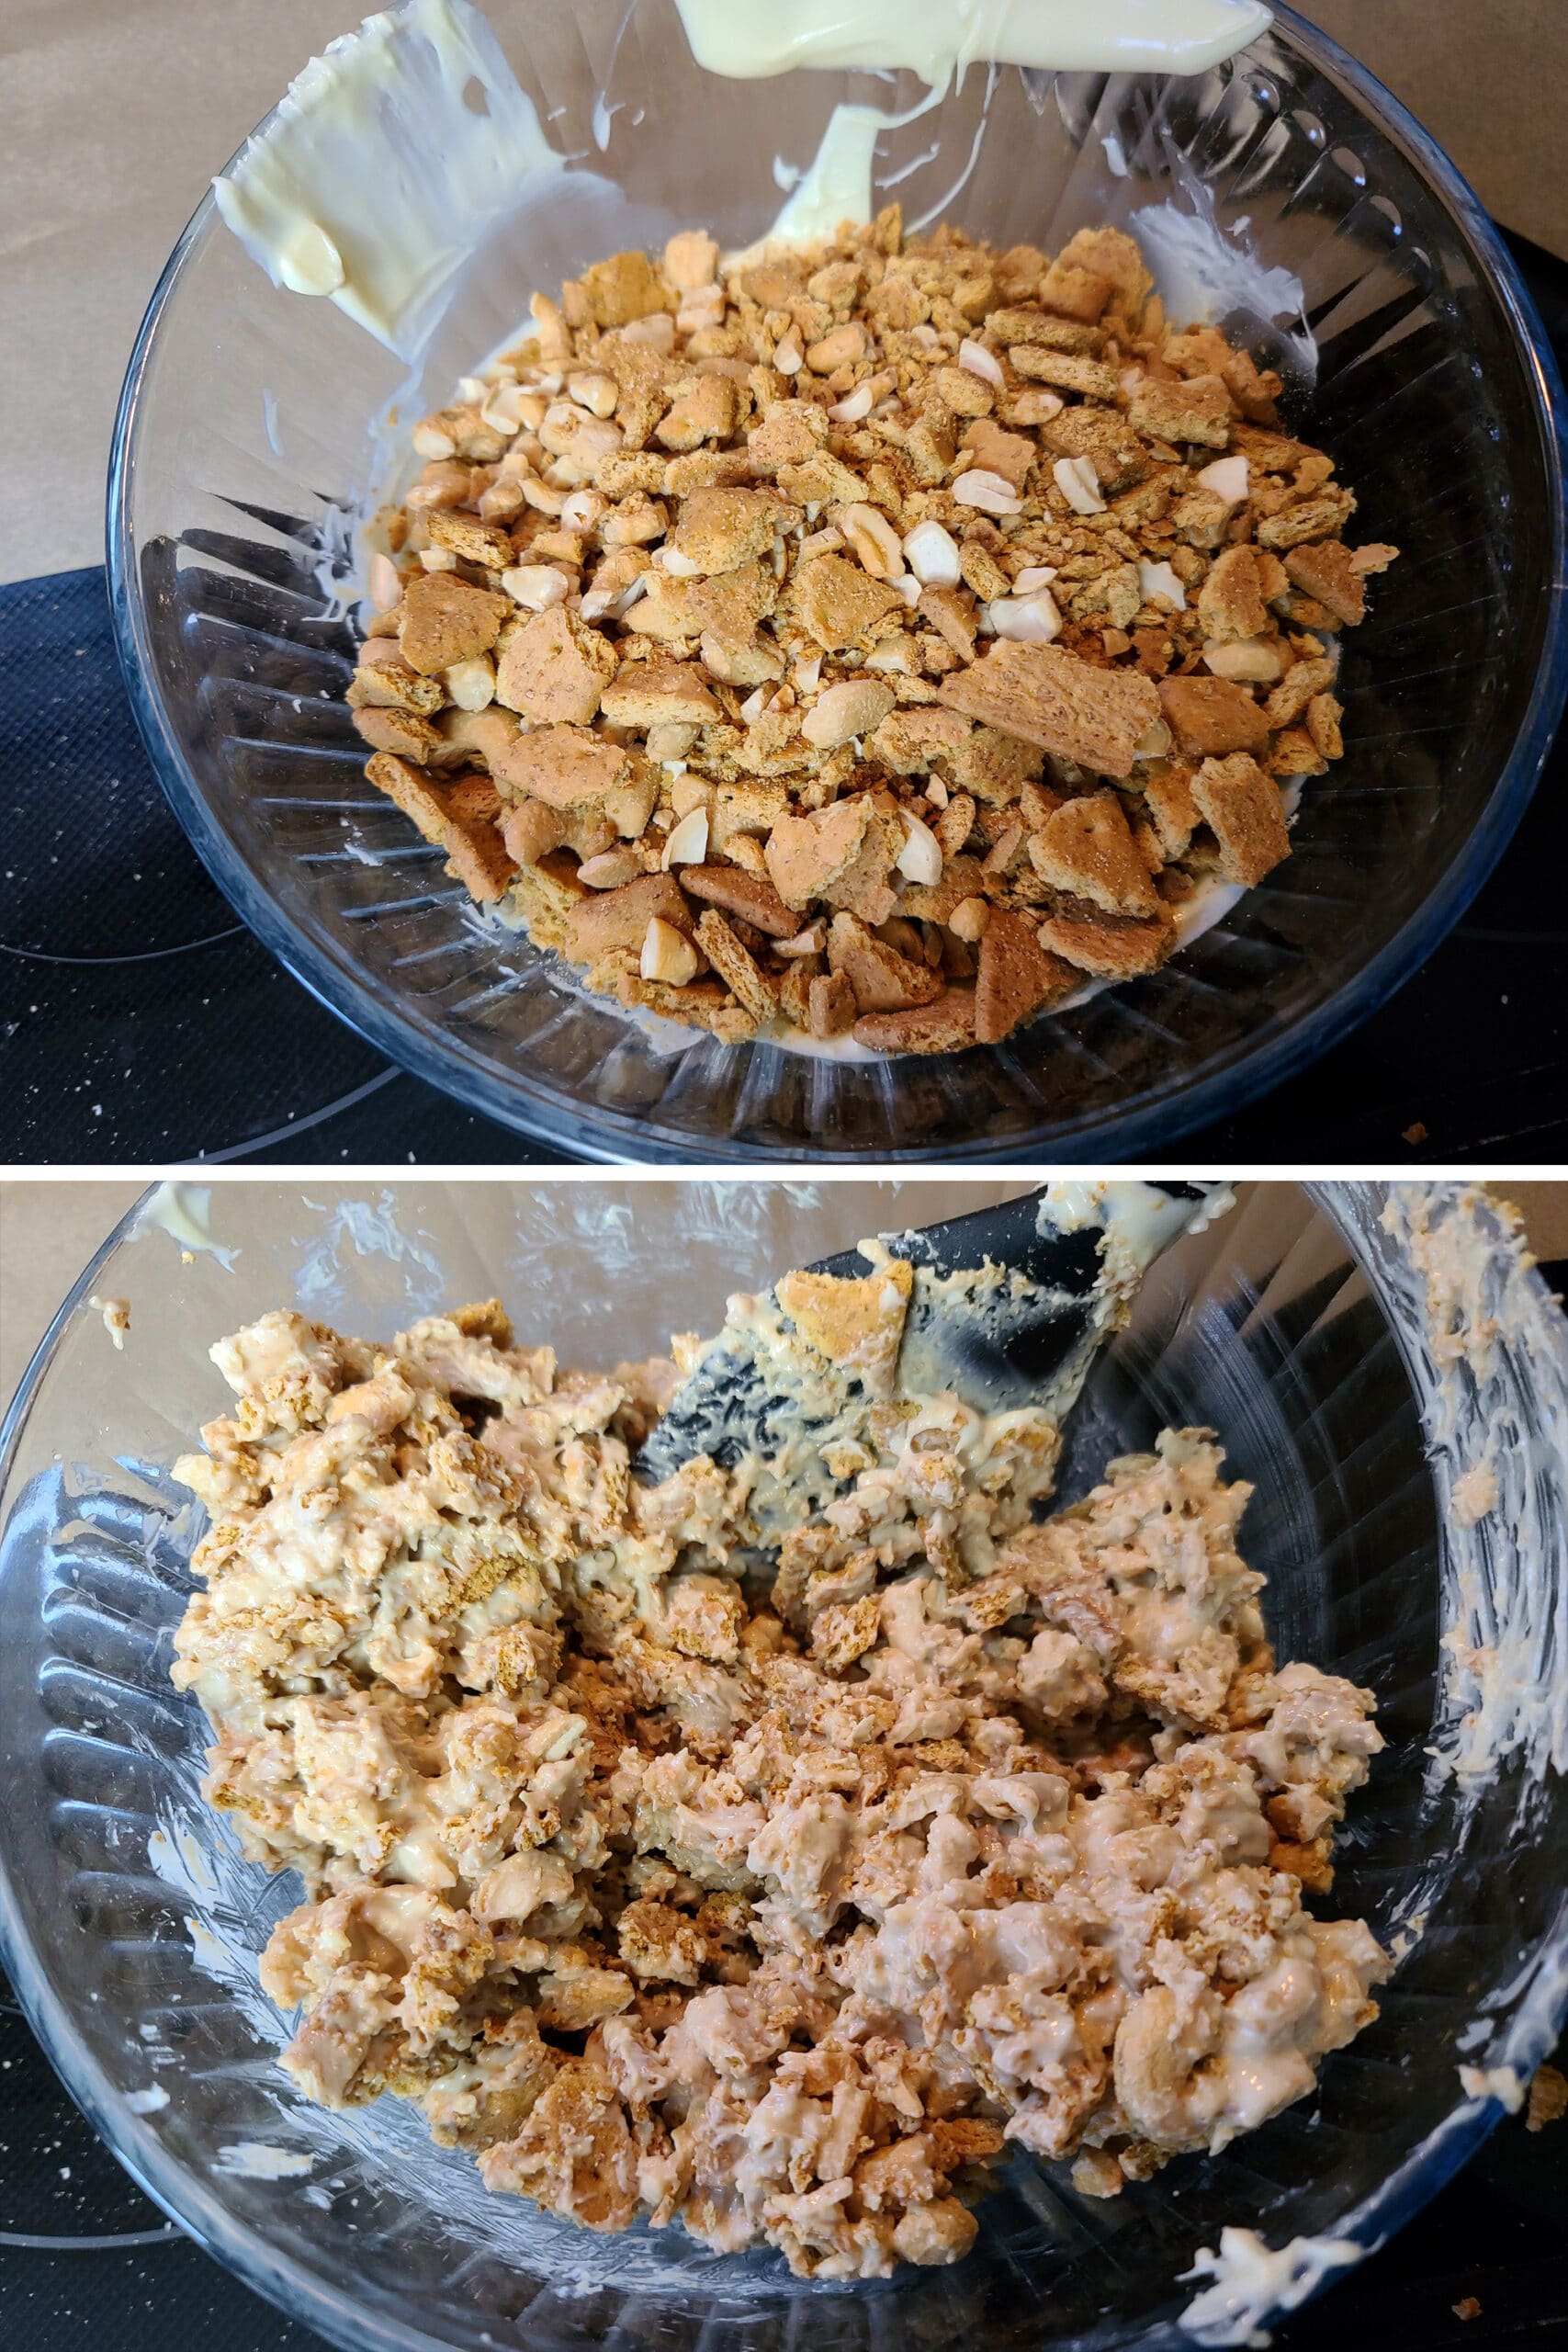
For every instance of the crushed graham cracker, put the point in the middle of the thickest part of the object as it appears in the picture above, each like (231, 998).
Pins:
(871, 581)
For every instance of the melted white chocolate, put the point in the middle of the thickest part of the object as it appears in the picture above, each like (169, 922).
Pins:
(376, 175)
(936, 38)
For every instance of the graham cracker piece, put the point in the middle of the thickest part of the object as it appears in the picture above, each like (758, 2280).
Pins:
(908, 741)
(845, 1631)
(1113, 254)
(736, 967)
(718, 530)
(863, 888)
(745, 895)
(383, 680)
(488, 544)
(564, 766)
(475, 854)
(795, 991)
(954, 824)
(1230, 601)
(953, 617)
(1296, 689)
(1294, 752)
(1036, 329)
(652, 693)
(624, 286)
(1058, 700)
(1079, 294)
(1327, 571)
(806, 853)
(856, 1320)
(745, 807)
(545, 894)
(838, 602)
(388, 728)
(444, 619)
(471, 798)
(607, 919)
(728, 604)
(1168, 792)
(1198, 409)
(1016, 976)
(1324, 713)
(707, 468)
(1066, 371)
(945, 1026)
(707, 413)
(556, 669)
(1209, 715)
(882, 981)
(993, 767)
(786, 435)
(1117, 948)
(1105, 438)
(831, 1005)
(1320, 518)
(1011, 455)
(1267, 451)
(1086, 847)
(701, 1004)
(630, 470)
(1245, 813)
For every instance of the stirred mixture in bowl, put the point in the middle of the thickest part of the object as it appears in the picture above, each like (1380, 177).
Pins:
(778, 1892)
(894, 636)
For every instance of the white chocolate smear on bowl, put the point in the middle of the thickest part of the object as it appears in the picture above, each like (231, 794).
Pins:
(1459, 1254)
(115, 1314)
(377, 176)
(1249, 2280)
(259, 2160)
(1487, 1343)
(184, 1212)
(594, 1835)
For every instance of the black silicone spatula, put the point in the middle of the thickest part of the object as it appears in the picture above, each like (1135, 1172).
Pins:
(1066, 1257)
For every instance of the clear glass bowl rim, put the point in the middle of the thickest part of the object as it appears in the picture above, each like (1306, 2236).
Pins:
(1243, 1074)
(200, 2213)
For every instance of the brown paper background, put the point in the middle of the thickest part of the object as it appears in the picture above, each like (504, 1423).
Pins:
(115, 114)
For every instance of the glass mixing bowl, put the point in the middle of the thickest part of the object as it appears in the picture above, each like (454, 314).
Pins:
(244, 440)
(130, 1925)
